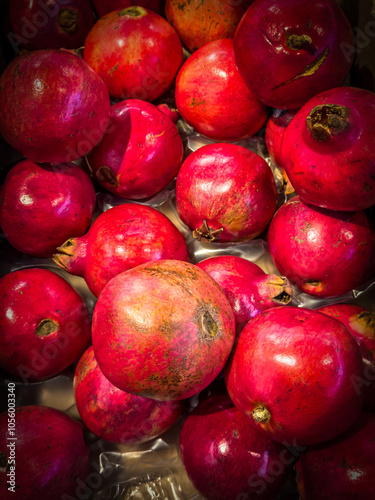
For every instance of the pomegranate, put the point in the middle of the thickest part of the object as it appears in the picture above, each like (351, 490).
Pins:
(324, 253)
(361, 324)
(135, 51)
(116, 415)
(42, 451)
(225, 192)
(162, 330)
(226, 458)
(292, 373)
(44, 324)
(247, 287)
(303, 42)
(200, 23)
(207, 86)
(103, 7)
(140, 153)
(342, 468)
(42, 205)
(121, 238)
(51, 24)
(53, 106)
(327, 150)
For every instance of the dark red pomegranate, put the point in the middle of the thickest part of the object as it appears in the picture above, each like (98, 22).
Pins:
(303, 44)
(43, 453)
(225, 192)
(141, 151)
(342, 469)
(324, 253)
(226, 458)
(326, 150)
(53, 106)
(162, 330)
(121, 238)
(247, 287)
(44, 324)
(115, 415)
(292, 373)
(103, 7)
(361, 324)
(42, 205)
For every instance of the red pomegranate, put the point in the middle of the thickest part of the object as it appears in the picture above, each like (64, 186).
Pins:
(51, 24)
(121, 238)
(103, 7)
(361, 324)
(162, 330)
(42, 205)
(247, 287)
(44, 324)
(324, 253)
(135, 51)
(304, 46)
(208, 86)
(53, 106)
(43, 453)
(326, 150)
(226, 458)
(140, 153)
(342, 469)
(200, 23)
(225, 192)
(292, 373)
(115, 415)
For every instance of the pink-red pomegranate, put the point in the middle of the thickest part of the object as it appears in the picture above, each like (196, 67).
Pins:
(115, 415)
(43, 453)
(340, 469)
(226, 458)
(103, 7)
(327, 148)
(43, 205)
(135, 51)
(225, 192)
(44, 324)
(53, 106)
(247, 287)
(361, 324)
(292, 374)
(121, 238)
(141, 151)
(51, 24)
(287, 51)
(207, 86)
(162, 330)
(324, 253)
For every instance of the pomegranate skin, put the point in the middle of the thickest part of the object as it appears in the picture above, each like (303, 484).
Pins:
(136, 52)
(208, 86)
(361, 324)
(103, 7)
(162, 330)
(44, 324)
(327, 150)
(288, 363)
(226, 458)
(42, 205)
(51, 456)
(141, 152)
(121, 238)
(115, 415)
(53, 106)
(225, 192)
(247, 287)
(302, 42)
(342, 469)
(324, 253)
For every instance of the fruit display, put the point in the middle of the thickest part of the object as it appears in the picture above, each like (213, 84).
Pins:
(187, 250)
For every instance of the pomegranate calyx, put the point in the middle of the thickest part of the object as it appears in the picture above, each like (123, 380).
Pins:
(283, 298)
(132, 12)
(367, 319)
(261, 414)
(327, 120)
(106, 174)
(68, 20)
(297, 41)
(67, 248)
(207, 234)
(46, 327)
(209, 325)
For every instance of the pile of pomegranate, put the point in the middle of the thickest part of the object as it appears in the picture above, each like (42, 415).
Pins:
(155, 146)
